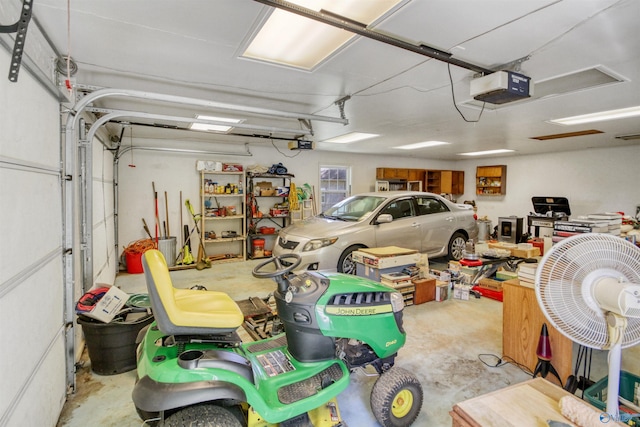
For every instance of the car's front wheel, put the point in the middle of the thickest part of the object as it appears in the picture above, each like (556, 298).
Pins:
(457, 246)
(346, 264)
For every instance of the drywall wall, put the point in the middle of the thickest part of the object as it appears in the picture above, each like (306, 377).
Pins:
(174, 172)
(592, 180)
(32, 358)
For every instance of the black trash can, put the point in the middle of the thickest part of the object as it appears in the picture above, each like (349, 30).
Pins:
(112, 346)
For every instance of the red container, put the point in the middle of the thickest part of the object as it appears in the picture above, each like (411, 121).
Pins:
(489, 293)
(267, 230)
(134, 262)
(258, 247)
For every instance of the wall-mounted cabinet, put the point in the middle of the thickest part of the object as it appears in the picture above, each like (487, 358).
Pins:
(491, 180)
(223, 232)
(433, 181)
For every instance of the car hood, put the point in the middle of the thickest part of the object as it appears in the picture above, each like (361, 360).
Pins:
(319, 227)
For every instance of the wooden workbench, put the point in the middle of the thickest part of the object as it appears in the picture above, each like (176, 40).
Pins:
(527, 404)
(522, 321)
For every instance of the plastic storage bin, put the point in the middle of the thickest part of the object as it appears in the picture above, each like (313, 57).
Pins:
(597, 393)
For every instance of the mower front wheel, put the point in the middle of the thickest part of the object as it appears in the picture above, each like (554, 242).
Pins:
(396, 398)
(203, 415)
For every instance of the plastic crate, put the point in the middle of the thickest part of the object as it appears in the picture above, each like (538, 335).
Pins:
(597, 393)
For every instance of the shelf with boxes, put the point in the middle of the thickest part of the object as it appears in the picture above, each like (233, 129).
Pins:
(223, 225)
(267, 211)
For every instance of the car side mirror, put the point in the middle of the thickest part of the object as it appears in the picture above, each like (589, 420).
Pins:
(384, 218)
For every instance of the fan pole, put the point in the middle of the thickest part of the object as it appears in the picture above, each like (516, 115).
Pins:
(616, 325)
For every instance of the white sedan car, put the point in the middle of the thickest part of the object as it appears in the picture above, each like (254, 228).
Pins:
(413, 220)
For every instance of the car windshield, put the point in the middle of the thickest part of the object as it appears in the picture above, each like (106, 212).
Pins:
(353, 208)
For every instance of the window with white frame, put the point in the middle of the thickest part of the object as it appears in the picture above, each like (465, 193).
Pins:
(335, 185)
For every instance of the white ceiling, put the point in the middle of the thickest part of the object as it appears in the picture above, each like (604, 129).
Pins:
(192, 48)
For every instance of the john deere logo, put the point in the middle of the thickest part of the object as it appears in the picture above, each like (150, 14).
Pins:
(358, 311)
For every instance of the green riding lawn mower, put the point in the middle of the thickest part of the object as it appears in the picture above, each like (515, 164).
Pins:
(193, 369)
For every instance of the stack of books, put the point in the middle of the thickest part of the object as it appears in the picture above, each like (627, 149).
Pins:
(612, 219)
(402, 283)
(527, 274)
(594, 223)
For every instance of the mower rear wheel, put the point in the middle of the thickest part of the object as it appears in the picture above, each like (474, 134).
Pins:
(396, 398)
(203, 415)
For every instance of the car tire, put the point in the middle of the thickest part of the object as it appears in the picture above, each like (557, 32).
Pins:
(457, 246)
(346, 264)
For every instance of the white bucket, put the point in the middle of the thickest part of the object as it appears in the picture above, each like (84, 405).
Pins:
(167, 246)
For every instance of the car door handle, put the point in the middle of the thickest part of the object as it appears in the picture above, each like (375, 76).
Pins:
(449, 218)
(415, 224)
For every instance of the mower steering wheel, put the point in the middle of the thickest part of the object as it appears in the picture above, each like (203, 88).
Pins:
(280, 268)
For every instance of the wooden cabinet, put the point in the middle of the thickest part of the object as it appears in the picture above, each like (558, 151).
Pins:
(445, 181)
(522, 322)
(491, 180)
(433, 181)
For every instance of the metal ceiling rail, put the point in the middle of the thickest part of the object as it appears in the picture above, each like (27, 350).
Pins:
(163, 117)
(104, 93)
(347, 24)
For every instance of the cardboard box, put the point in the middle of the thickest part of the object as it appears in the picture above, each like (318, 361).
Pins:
(386, 257)
(425, 290)
(461, 292)
(108, 306)
(372, 273)
(494, 285)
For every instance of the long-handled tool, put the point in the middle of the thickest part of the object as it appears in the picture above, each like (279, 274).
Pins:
(203, 260)
(185, 257)
(155, 198)
(166, 212)
(146, 228)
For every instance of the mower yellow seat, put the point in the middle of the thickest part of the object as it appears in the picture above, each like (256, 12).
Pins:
(187, 311)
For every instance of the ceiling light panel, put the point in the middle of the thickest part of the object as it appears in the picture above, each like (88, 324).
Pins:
(210, 127)
(424, 144)
(486, 153)
(622, 113)
(293, 40)
(348, 138)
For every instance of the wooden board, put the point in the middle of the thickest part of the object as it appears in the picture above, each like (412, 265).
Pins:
(388, 251)
(522, 321)
(528, 404)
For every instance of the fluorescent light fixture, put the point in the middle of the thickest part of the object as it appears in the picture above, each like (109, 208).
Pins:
(293, 40)
(348, 138)
(424, 144)
(211, 127)
(622, 113)
(486, 153)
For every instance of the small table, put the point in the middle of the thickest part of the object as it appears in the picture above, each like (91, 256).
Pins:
(527, 404)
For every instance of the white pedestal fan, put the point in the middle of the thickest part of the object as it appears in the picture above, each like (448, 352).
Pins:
(588, 287)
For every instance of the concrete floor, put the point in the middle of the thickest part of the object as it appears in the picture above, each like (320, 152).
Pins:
(446, 341)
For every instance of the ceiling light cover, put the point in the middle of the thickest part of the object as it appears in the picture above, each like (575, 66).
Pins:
(622, 113)
(293, 40)
(348, 138)
(486, 153)
(424, 144)
(213, 127)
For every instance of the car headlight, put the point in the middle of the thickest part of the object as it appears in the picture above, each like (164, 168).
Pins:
(397, 301)
(314, 244)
